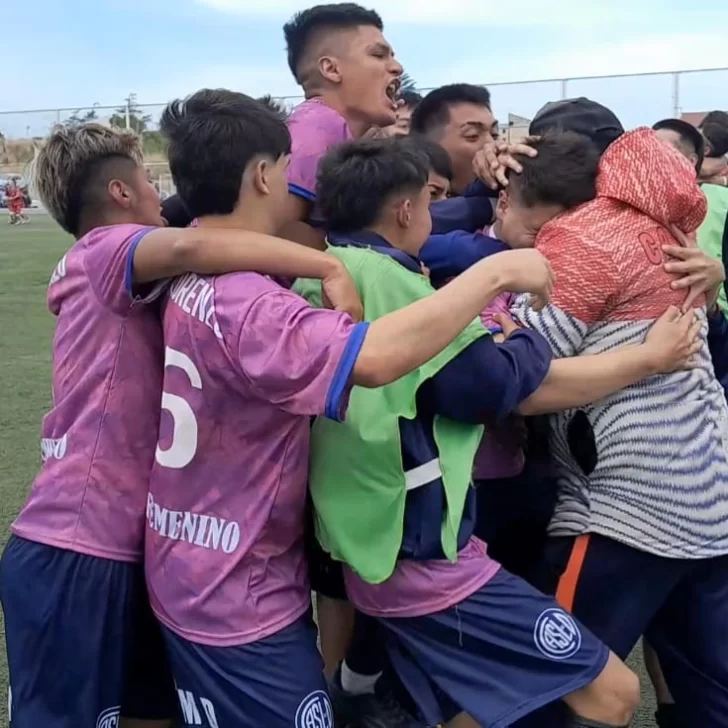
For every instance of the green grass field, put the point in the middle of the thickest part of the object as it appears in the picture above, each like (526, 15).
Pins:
(28, 255)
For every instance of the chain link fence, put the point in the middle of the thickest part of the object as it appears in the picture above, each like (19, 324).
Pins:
(636, 99)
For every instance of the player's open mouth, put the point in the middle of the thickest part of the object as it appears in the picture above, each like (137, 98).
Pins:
(392, 91)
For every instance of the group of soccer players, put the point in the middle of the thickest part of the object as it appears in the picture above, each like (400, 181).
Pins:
(468, 394)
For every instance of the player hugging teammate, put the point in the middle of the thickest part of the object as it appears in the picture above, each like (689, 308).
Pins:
(325, 378)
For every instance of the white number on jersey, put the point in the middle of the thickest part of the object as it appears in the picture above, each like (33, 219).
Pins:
(184, 436)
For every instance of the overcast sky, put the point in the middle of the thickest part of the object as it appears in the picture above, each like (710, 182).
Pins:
(85, 52)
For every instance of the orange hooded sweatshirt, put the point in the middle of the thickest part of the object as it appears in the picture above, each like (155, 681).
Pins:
(647, 466)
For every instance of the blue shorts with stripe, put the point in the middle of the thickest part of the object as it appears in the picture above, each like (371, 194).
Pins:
(83, 644)
(679, 605)
(499, 655)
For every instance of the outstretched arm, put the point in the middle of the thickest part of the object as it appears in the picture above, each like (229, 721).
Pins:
(404, 340)
(168, 252)
(581, 380)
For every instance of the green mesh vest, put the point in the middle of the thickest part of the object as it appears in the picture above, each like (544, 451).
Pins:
(356, 477)
(714, 229)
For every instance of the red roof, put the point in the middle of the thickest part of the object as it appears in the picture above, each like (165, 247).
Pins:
(694, 117)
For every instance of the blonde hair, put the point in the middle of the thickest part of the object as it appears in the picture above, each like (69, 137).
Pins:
(60, 171)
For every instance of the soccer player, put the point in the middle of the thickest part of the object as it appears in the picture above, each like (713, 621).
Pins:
(82, 644)
(440, 175)
(459, 118)
(15, 203)
(638, 544)
(407, 100)
(247, 363)
(463, 635)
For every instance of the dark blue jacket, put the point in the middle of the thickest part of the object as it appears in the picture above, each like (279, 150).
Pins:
(472, 211)
(485, 381)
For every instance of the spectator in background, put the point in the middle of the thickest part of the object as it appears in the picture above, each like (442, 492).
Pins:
(409, 100)
(715, 130)
(440, 175)
(459, 118)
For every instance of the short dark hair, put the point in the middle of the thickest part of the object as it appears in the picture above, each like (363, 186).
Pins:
(440, 161)
(356, 179)
(434, 110)
(213, 135)
(564, 172)
(300, 29)
(691, 140)
(410, 98)
(275, 105)
(715, 117)
(716, 134)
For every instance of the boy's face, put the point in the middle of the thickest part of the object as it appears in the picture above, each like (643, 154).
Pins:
(414, 221)
(404, 121)
(369, 76)
(469, 128)
(147, 206)
(673, 139)
(438, 186)
(520, 224)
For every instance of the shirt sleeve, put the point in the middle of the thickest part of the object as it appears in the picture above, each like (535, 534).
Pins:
(488, 380)
(585, 288)
(447, 256)
(296, 357)
(303, 167)
(109, 267)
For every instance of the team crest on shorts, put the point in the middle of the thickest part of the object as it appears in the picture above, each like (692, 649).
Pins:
(109, 718)
(315, 711)
(557, 635)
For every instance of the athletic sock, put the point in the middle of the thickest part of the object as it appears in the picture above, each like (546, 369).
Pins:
(355, 683)
(364, 661)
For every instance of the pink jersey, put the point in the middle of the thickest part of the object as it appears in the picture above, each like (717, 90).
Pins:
(98, 440)
(418, 588)
(315, 128)
(247, 363)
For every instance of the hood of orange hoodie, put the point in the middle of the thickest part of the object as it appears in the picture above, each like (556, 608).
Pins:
(641, 171)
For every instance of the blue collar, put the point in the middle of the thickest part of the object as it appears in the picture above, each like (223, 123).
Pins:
(375, 242)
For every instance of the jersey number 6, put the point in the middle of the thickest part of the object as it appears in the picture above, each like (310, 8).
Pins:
(184, 433)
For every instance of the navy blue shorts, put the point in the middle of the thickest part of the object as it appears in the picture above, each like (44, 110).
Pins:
(277, 682)
(679, 605)
(499, 655)
(83, 645)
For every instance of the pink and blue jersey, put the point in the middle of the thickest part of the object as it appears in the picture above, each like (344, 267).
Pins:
(98, 440)
(315, 128)
(247, 363)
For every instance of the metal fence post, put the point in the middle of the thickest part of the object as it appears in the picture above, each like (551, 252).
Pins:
(564, 88)
(676, 94)
(128, 113)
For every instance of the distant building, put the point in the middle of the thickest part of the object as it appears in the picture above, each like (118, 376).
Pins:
(694, 117)
(516, 130)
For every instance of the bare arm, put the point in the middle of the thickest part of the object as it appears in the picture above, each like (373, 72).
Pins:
(581, 380)
(404, 340)
(168, 252)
